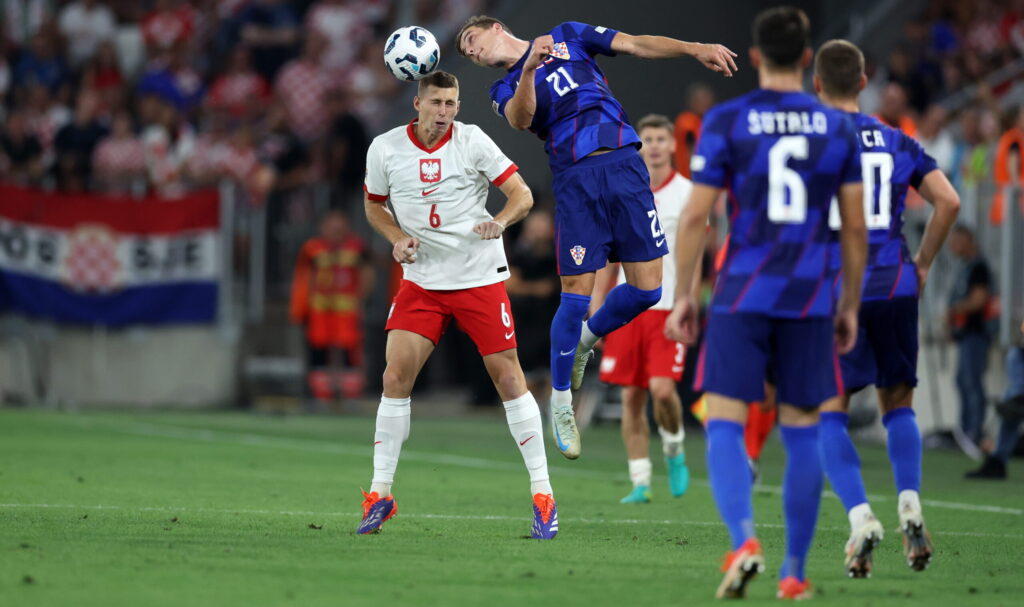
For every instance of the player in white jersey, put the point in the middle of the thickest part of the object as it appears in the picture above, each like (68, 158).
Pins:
(638, 356)
(436, 173)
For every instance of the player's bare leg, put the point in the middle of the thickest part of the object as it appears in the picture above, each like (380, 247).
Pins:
(842, 466)
(904, 446)
(406, 353)
(525, 424)
(668, 413)
(636, 435)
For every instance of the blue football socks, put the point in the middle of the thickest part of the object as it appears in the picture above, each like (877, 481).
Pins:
(622, 305)
(840, 460)
(801, 495)
(730, 478)
(904, 445)
(565, 334)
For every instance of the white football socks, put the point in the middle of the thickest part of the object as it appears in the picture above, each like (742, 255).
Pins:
(672, 442)
(909, 501)
(859, 513)
(587, 337)
(640, 471)
(523, 416)
(392, 430)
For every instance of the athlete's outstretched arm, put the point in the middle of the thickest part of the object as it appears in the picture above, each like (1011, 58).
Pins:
(383, 222)
(714, 56)
(936, 189)
(519, 201)
(681, 324)
(853, 247)
(522, 106)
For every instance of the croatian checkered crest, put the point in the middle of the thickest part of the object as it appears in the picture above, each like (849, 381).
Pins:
(411, 53)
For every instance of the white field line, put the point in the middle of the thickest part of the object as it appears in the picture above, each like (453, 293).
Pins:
(313, 445)
(457, 517)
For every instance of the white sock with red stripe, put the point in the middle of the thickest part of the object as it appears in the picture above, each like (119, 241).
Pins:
(672, 442)
(523, 416)
(640, 471)
(393, 415)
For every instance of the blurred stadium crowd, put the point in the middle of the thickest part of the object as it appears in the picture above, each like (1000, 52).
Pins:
(166, 96)
(282, 97)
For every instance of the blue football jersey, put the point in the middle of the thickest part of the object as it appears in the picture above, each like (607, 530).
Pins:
(576, 111)
(892, 162)
(782, 156)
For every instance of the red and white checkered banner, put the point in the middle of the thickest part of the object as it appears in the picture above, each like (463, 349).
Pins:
(113, 261)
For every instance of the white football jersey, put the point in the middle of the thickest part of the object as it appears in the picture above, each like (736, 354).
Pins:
(670, 199)
(438, 195)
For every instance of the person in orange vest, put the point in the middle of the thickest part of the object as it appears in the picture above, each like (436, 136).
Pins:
(893, 110)
(687, 126)
(1009, 165)
(332, 278)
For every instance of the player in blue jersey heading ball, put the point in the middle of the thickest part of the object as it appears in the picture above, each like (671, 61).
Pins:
(604, 206)
(782, 156)
(886, 350)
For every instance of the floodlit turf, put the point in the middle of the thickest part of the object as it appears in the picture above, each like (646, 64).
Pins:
(234, 509)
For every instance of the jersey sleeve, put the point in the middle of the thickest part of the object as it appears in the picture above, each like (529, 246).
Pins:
(595, 39)
(852, 171)
(923, 162)
(501, 93)
(487, 157)
(711, 162)
(376, 183)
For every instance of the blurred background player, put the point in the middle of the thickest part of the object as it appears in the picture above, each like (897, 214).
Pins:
(699, 100)
(604, 207)
(784, 156)
(638, 356)
(1011, 415)
(455, 268)
(886, 350)
(972, 316)
(333, 276)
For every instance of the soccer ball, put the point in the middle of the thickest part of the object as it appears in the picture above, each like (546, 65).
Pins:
(411, 53)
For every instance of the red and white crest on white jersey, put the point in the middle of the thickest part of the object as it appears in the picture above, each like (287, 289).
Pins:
(430, 170)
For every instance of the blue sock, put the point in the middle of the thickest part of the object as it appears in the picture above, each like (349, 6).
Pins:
(565, 334)
(904, 444)
(840, 459)
(622, 305)
(730, 478)
(801, 495)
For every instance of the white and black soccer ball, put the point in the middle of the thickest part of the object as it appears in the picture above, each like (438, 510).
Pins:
(411, 53)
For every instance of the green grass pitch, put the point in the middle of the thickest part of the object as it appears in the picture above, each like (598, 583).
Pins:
(226, 509)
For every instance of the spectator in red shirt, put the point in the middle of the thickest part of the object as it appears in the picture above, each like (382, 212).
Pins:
(302, 86)
(103, 75)
(119, 161)
(169, 23)
(240, 91)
